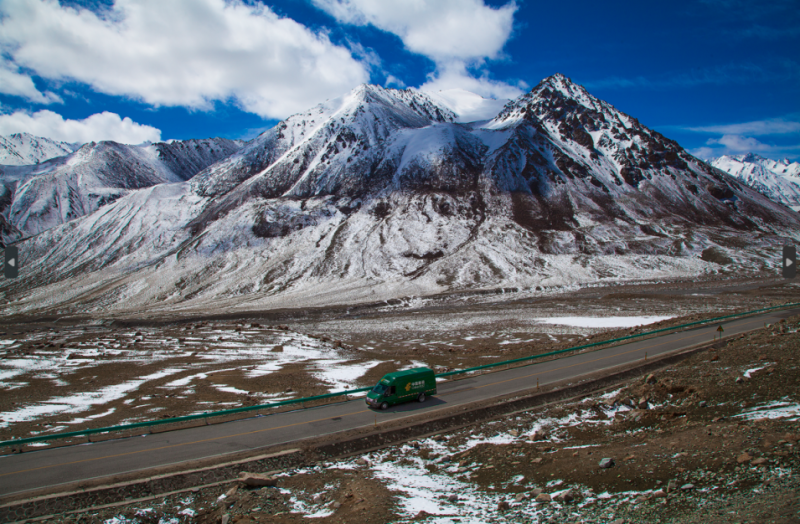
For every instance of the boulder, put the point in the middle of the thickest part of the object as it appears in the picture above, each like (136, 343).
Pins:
(651, 379)
(503, 506)
(536, 492)
(642, 403)
(520, 497)
(257, 480)
(687, 487)
(607, 463)
(543, 497)
(759, 462)
(744, 457)
(566, 496)
(452, 497)
(540, 434)
(513, 433)
(660, 494)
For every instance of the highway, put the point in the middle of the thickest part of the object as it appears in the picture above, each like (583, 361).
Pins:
(52, 467)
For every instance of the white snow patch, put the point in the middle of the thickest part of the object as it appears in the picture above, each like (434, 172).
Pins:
(779, 409)
(753, 370)
(79, 401)
(602, 322)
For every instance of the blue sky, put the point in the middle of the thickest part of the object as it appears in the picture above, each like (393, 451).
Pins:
(718, 76)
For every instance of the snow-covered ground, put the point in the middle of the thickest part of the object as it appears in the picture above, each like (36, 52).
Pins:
(603, 322)
(187, 362)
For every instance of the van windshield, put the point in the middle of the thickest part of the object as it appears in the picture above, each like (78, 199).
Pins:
(379, 389)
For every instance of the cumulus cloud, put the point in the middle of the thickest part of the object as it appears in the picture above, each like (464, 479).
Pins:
(454, 75)
(12, 82)
(439, 29)
(100, 126)
(456, 34)
(181, 53)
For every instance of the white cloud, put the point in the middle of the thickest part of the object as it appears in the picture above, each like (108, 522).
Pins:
(181, 52)
(439, 29)
(772, 126)
(100, 126)
(16, 84)
(705, 153)
(739, 144)
(455, 34)
(393, 81)
(455, 75)
(468, 106)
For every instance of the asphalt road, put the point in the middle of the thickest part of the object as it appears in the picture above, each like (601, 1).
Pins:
(52, 467)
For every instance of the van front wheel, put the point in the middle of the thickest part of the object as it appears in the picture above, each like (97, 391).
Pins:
(421, 397)
(384, 405)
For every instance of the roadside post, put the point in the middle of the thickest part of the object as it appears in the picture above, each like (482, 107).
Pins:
(789, 262)
(720, 331)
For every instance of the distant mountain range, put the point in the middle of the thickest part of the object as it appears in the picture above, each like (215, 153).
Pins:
(22, 149)
(35, 198)
(385, 193)
(777, 179)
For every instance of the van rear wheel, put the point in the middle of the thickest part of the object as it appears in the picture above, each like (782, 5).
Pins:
(384, 405)
(421, 397)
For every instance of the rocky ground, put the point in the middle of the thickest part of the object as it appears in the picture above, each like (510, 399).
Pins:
(713, 439)
(69, 374)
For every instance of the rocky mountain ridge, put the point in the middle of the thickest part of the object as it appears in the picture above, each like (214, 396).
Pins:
(21, 149)
(381, 194)
(37, 197)
(777, 179)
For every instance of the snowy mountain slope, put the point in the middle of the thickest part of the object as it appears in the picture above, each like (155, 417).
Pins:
(38, 197)
(749, 162)
(778, 180)
(24, 149)
(381, 194)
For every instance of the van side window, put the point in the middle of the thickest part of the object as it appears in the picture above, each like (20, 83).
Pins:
(391, 391)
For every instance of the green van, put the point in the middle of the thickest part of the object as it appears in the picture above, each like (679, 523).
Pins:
(402, 386)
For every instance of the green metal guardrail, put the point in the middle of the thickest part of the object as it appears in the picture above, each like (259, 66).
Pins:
(186, 418)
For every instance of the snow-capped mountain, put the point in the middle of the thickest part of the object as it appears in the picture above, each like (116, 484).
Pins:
(23, 149)
(37, 197)
(750, 162)
(382, 194)
(777, 179)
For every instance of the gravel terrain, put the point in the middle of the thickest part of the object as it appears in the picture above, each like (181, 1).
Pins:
(68, 375)
(712, 439)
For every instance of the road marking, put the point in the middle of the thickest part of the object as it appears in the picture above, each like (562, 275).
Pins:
(700, 332)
